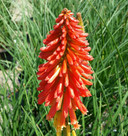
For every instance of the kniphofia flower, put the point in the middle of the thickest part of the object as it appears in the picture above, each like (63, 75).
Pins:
(65, 74)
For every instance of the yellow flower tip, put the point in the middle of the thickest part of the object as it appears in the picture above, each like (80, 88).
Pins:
(68, 130)
(73, 133)
(57, 119)
(79, 17)
(58, 133)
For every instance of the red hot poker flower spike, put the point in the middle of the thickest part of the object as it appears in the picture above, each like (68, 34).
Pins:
(65, 74)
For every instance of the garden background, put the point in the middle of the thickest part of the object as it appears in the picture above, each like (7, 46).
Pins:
(23, 26)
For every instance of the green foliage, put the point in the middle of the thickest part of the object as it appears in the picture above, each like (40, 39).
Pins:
(107, 24)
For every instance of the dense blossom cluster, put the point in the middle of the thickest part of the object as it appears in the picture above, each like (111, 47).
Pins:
(65, 74)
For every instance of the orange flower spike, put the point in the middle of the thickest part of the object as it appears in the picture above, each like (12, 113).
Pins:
(65, 76)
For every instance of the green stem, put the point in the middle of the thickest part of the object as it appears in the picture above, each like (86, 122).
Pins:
(64, 132)
(65, 129)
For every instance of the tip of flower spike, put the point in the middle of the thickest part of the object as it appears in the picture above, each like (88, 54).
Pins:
(78, 14)
(65, 10)
(79, 17)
